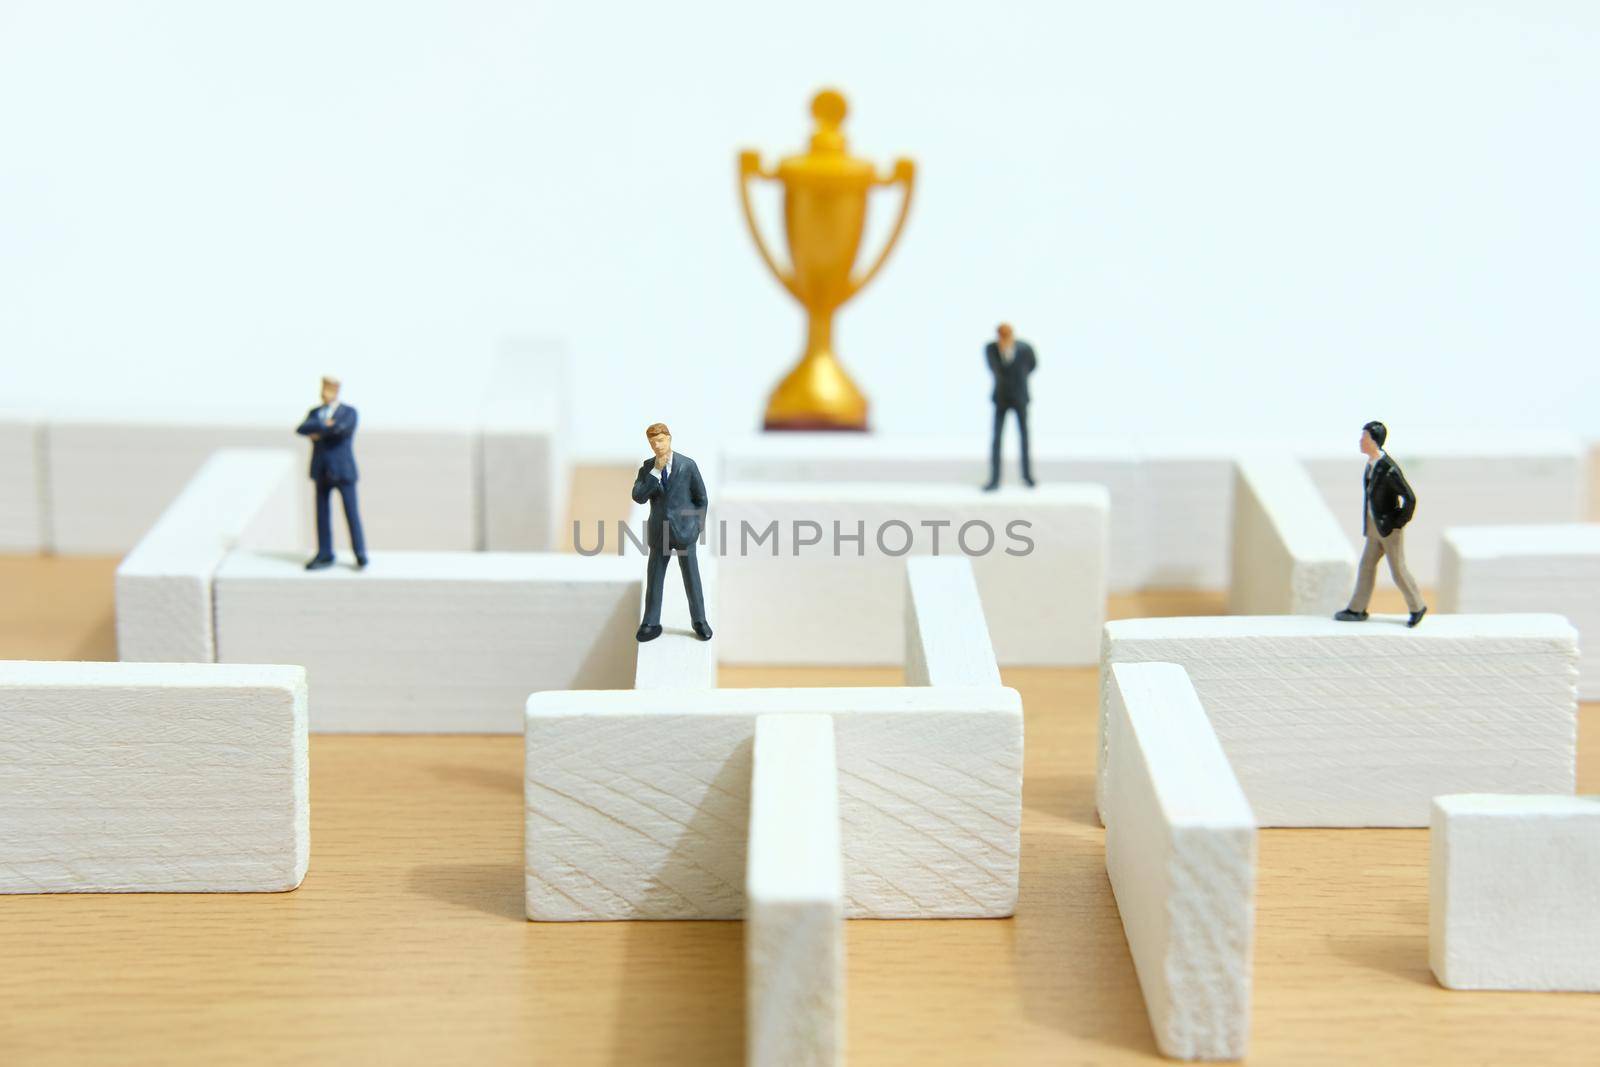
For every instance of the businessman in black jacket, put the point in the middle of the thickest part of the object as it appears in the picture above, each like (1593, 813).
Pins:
(1010, 361)
(671, 482)
(332, 427)
(1387, 504)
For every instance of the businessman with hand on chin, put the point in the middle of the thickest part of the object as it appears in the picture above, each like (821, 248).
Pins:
(671, 482)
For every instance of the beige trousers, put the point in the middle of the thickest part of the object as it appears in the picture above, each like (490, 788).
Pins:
(1394, 548)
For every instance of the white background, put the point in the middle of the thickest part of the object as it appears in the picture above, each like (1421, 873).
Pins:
(1244, 216)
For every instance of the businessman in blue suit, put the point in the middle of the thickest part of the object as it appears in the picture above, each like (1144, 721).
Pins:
(331, 428)
(672, 484)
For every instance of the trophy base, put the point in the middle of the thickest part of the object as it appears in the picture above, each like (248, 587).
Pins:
(810, 425)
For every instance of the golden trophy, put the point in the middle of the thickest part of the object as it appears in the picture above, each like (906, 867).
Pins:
(824, 212)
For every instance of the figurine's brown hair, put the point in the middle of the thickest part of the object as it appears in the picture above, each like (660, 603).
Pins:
(655, 428)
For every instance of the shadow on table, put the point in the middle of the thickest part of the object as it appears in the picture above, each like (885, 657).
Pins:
(1402, 956)
(1060, 929)
(1400, 953)
(492, 888)
(1064, 796)
(682, 994)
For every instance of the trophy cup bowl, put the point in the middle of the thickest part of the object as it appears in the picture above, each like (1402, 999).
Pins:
(825, 193)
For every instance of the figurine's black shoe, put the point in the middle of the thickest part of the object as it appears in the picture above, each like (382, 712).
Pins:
(1416, 616)
(1350, 616)
(702, 630)
(1027, 480)
(361, 563)
(316, 563)
(647, 633)
(991, 487)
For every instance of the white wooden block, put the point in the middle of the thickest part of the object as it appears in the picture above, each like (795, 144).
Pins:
(108, 480)
(239, 497)
(794, 897)
(947, 638)
(1181, 855)
(1150, 479)
(1289, 555)
(1115, 464)
(1362, 724)
(1041, 576)
(638, 801)
(432, 642)
(1530, 568)
(1460, 480)
(22, 525)
(526, 468)
(152, 778)
(1514, 892)
(1185, 476)
(419, 488)
(678, 659)
(1593, 511)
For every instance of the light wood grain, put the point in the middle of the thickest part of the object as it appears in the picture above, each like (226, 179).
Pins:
(407, 944)
(152, 777)
(638, 800)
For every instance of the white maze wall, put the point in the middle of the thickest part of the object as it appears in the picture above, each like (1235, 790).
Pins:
(794, 896)
(830, 588)
(1512, 892)
(417, 642)
(1172, 497)
(791, 808)
(432, 642)
(239, 498)
(153, 778)
(491, 473)
(1289, 555)
(1530, 568)
(1341, 724)
(23, 514)
(1181, 856)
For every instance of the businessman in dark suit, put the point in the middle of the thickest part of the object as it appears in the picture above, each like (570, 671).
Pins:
(332, 427)
(672, 484)
(1010, 361)
(1387, 504)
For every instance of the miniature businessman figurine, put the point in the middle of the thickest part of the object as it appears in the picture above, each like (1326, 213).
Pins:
(333, 466)
(1010, 361)
(1387, 505)
(671, 482)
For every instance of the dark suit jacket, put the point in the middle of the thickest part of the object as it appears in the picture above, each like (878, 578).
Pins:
(682, 504)
(332, 458)
(1388, 497)
(1011, 381)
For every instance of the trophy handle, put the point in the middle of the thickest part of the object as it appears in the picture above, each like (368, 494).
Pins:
(905, 173)
(749, 167)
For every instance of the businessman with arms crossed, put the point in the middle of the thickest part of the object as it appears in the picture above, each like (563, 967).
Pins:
(671, 482)
(1387, 504)
(331, 428)
(1010, 361)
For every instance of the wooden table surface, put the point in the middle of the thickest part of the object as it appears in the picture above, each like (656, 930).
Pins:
(407, 941)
